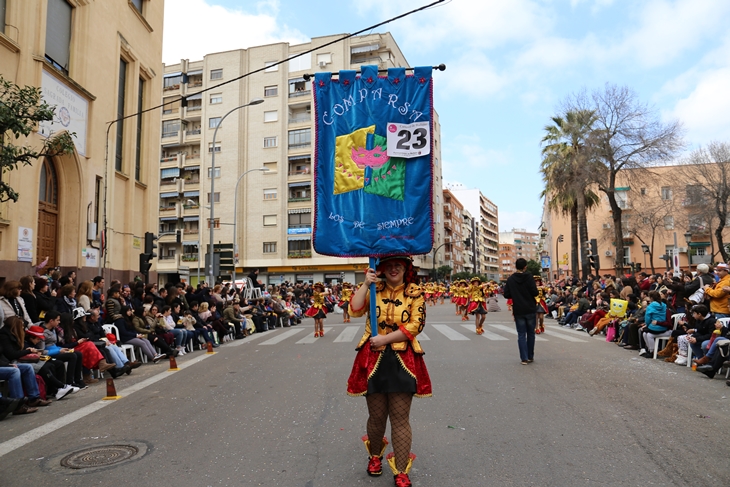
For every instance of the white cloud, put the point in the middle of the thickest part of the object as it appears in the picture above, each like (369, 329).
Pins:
(518, 219)
(705, 112)
(194, 28)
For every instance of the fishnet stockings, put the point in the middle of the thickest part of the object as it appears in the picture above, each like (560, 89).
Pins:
(398, 407)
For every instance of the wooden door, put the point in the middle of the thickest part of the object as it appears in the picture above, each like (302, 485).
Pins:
(47, 215)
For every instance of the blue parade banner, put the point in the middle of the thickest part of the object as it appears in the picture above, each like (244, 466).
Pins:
(373, 171)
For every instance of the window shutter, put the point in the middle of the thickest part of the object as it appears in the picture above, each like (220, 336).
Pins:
(58, 32)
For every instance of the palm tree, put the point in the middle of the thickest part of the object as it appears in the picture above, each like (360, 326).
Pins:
(565, 168)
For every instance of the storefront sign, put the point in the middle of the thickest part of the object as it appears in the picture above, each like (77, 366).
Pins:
(72, 111)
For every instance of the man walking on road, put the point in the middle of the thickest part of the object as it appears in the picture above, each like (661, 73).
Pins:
(521, 288)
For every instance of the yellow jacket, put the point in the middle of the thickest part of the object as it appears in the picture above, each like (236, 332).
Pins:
(718, 297)
(396, 308)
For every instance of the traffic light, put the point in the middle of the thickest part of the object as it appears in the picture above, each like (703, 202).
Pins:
(560, 237)
(149, 244)
(144, 264)
(595, 261)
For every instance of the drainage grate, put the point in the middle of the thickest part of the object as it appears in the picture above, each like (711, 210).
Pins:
(99, 456)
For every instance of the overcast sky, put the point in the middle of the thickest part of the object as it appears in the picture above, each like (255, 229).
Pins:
(509, 64)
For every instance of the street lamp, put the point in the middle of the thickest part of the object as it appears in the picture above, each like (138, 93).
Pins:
(688, 238)
(557, 254)
(256, 101)
(645, 249)
(235, 220)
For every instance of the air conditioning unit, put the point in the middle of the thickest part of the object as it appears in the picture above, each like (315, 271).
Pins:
(606, 225)
(609, 253)
(322, 64)
(682, 250)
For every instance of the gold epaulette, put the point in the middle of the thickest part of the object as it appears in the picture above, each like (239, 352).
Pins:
(413, 291)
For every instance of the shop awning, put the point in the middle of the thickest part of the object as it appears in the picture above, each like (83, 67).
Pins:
(190, 194)
(191, 168)
(195, 72)
(168, 195)
(191, 218)
(196, 96)
(170, 172)
(360, 49)
(297, 158)
(300, 185)
(168, 218)
(172, 75)
(300, 210)
(298, 238)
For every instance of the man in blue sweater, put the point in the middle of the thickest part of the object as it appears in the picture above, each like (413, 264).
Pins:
(521, 288)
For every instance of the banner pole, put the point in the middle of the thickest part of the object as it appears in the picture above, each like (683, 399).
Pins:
(373, 299)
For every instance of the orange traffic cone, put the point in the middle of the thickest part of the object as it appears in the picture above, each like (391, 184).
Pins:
(173, 365)
(210, 349)
(111, 391)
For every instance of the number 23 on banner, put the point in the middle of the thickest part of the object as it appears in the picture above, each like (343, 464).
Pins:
(409, 140)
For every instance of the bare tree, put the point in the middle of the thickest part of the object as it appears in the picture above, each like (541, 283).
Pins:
(649, 218)
(707, 169)
(628, 134)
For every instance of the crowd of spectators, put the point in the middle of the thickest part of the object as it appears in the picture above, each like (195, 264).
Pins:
(688, 311)
(56, 334)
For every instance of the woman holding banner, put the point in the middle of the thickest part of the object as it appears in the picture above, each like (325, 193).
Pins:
(389, 368)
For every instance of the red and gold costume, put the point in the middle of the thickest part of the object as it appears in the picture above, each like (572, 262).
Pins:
(318, 309)
(462, 291)
(346, 295)
(428, 289)
(401, 308)
(477, 298)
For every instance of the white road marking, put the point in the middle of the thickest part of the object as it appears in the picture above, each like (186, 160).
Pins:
(487, 334)
(513, 331)
(450, 333)
(555, 333)
(56, 424)
(422, 336)
(281, 337)
(248, 339)
(348, 334)
(311, 338)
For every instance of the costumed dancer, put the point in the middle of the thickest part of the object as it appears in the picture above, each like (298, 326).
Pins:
(541, 306)
(318, 311)
(345, 301)
(441, 292)
(464, 300)
(454, 291)
(389, 368)
(477, 303)
(428, 292)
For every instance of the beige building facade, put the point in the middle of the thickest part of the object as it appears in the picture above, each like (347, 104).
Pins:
(95, 61)
(507, 259)
(660, 211)
(273, 210)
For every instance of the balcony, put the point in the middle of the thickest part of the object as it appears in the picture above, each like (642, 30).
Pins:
(190, 210)
(299, 146)
(192, 184)
(191, 231)
(170, 135)
(167, 265)
(193, 134)
(167, 210)
(300, 118)
(298, 93)
(172, 87)
(299, 254)
(189, 257)
(168, 182)
(297, 199)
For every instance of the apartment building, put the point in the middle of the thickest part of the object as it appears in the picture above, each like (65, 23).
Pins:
(468, 229)
(453, 232)
(507, 259)
(486, 225)
(96, 64)
(274, 208)
(661, 214)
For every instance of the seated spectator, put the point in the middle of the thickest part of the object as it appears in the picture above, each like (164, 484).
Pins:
(84, 296)
(66, 299)
(129, 336)
(72, 359)
(91, 358)
(52, 371)
(718, 297)
(205, 330)
(697, 337)
(21, 377)
(168, 325)
(234, 316)
(654, 323)
(11, 304)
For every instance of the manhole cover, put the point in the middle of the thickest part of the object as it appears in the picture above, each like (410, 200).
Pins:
(99, 456)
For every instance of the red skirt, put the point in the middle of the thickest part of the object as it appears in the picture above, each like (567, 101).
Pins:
(367, 360)
(90, 355)
(462, 301)
(477, 306)
(313, 312)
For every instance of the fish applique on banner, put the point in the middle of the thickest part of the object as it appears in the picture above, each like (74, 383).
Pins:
(373, 169)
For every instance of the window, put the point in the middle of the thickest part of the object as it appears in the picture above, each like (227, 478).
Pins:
(271, 90)
(58, 33)
(171, 105)
(217, 172)
(270, 194)
(269, 247)
(121, 94)
(216, 98)
(666, 192)
(138, 5)
(300, 63)
(170, 128)
(269, 142)
(2, 16)
(216, 74)
(271, 116)
(694, 194)
(138, 153)
(269, 220)
(669, 222)
(271, 166)
(217, 146)
(622, 199)
(171, 82)
(698, 223)
(627, 256)
(300, 220)
(299, 248)
(214, 122)
(299, 87)
(700, 251)
(270, 68)
(642, 191)
(216, 222)
(300, 191)
(300, 138)
(216, 197)
(170, 172)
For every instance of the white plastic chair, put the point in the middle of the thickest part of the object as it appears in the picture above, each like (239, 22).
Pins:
(675, 320)
(128, 349)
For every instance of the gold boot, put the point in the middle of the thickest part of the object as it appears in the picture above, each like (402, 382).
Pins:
(375, 462)
(401, 478)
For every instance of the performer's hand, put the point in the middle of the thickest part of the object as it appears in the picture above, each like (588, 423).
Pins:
(378, 341)
(370, 276)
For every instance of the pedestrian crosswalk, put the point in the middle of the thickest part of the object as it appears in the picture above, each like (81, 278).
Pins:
(450, 332)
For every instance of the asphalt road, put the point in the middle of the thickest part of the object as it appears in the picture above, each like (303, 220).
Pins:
(272, 410)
